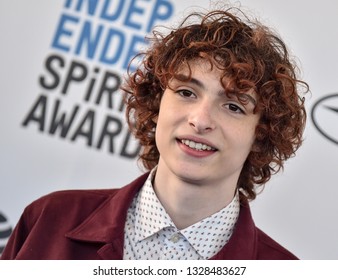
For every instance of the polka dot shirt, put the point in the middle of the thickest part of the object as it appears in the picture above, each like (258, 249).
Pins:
(150, 233)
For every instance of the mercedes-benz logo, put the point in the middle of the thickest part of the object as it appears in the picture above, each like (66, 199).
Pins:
(324, 115)
(5, 232)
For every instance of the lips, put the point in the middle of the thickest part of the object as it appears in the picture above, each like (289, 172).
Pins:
(198, 145)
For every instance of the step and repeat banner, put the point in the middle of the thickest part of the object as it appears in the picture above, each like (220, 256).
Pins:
(62, 116)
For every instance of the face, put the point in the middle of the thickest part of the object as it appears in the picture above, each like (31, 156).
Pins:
(203, 135)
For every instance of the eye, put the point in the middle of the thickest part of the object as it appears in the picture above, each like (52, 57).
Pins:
(234, 108)
(186, 93)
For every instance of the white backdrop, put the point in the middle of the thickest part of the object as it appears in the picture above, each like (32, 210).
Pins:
(44, 42)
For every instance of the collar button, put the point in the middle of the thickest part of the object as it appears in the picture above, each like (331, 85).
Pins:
(175, 238)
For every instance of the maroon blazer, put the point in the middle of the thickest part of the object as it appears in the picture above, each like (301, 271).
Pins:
(89, 224)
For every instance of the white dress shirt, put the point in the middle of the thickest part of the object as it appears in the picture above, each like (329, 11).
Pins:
(150, 234)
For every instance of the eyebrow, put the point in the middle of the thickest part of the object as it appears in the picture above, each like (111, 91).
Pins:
(200, 84)
(192, 80)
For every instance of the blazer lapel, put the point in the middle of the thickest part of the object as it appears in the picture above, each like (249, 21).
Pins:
(243, 242)
(106, 224)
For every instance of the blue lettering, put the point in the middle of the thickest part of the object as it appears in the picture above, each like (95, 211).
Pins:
(118, 38)
(133, 9)
(106, 43)
(133, 50)
(62, 32)
(157, 14)
(87, 38)
(91, 5)
(113, 16)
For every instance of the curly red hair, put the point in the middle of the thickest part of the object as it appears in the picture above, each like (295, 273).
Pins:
(251, 57)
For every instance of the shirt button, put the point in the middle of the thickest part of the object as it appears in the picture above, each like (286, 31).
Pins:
(175, 238)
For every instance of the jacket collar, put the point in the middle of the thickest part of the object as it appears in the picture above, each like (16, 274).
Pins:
(243, 242)
(106, 224)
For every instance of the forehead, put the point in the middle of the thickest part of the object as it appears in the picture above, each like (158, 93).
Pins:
(198, 64)
(193, 71)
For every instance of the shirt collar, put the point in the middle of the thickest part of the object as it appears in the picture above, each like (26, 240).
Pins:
(150, 215)
(213, 231)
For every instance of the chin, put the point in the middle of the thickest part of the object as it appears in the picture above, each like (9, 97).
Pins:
(192, 179)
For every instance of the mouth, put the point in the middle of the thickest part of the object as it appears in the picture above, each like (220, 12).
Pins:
(197, 145)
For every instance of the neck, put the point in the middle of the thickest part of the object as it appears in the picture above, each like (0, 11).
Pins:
(188, 202)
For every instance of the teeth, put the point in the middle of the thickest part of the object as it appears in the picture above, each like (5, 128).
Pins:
(197, 146)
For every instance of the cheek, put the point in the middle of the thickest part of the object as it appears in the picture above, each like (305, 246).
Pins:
(160, 127)
(169, 114)
(242, 136)
(252, 137)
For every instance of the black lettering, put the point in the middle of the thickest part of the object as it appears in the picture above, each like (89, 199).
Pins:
(110, 132)
(88, 121)
(77, 72)
(122, 105)
(59, 120)
(125, 152)
(111, 83)
(37, 113)
(91, 85)
(55, 77)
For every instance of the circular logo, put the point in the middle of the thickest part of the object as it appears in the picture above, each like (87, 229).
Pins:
(324, 115)
(5, 232)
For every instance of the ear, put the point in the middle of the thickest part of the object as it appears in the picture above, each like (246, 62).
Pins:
(255, 147)
(154, 119)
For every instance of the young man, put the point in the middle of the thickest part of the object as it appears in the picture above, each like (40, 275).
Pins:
(217, 108)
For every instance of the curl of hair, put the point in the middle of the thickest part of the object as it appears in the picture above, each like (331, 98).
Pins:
(251, 57)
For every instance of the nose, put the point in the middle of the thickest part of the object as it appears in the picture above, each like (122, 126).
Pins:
(201, 117)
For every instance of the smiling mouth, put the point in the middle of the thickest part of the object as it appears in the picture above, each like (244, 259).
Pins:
(197, 146)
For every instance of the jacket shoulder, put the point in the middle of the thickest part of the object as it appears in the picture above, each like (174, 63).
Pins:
(269, 249)
(73, 196)
(65, 202)
(49, 218)
(41, 232)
